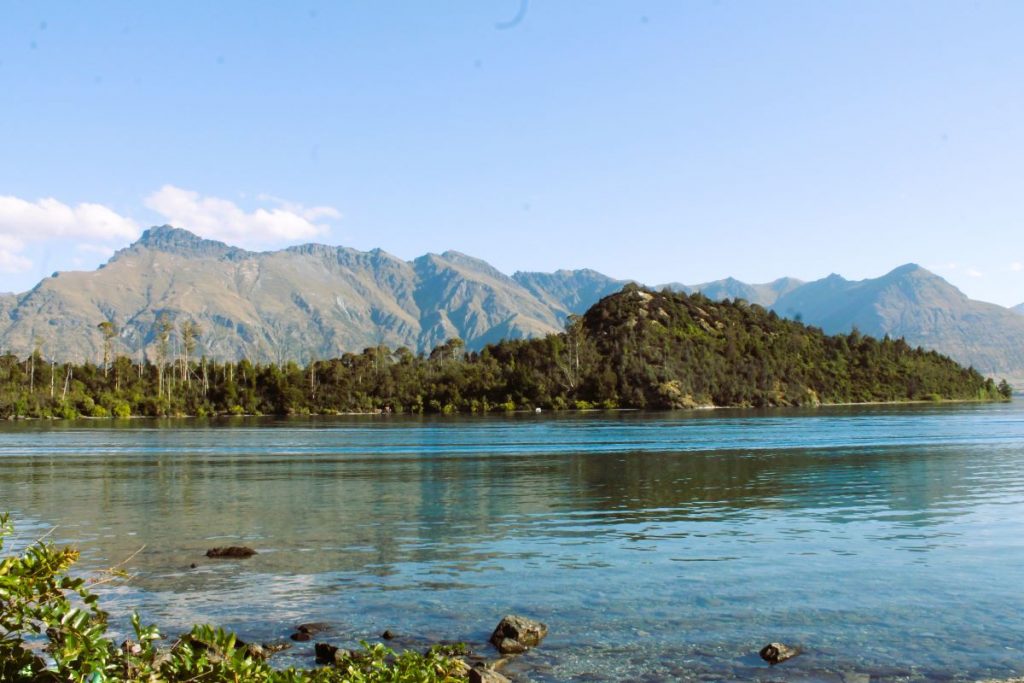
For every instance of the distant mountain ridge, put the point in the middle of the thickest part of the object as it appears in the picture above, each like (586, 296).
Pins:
(764, 294)
(916, 304)
(298, 303)
(319, 301)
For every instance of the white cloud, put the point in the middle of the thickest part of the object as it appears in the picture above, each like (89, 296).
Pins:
(1017, 266)
(49, 218)
(224, 220)
(23, 222)
(974, 272)
(10, 259)
(11, 262)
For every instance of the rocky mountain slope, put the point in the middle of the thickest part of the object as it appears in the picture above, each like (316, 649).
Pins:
(320, 301)
(305, 301)
(913, 303)
(569, 291)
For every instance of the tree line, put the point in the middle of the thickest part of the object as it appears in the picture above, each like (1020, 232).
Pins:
(634, 349)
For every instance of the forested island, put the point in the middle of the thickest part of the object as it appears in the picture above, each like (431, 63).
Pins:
(634, 349)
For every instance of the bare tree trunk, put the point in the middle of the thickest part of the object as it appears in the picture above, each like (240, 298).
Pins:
(67, 381)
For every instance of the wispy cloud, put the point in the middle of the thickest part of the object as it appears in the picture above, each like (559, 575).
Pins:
(974, 272)
(99, 249)
(23, 222)
(10, 259)
(1017, 266)
(222, 219)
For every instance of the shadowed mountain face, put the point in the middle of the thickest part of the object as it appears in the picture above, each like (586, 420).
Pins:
(569, 291)
(1019, 308)
(918, 305)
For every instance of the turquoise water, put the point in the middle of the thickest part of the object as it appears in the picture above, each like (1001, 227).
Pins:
(884, 541)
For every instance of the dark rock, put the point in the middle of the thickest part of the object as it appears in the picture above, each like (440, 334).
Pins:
(329, 654)
(231, 552)
(192, 566)
(387, 635)
(325, 653)
(515, 634)
(776, 653)
(305, 632)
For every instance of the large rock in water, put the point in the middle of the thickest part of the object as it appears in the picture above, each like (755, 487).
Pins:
(776, 653)
(515, 634)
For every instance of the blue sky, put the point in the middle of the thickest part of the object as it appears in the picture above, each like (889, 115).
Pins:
(661, 141)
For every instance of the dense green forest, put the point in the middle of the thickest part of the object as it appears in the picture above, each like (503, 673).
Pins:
(634, 349)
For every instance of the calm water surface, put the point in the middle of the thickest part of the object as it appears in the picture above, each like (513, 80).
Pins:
(886, 542)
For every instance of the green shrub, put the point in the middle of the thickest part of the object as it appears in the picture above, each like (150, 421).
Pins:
(39, 601)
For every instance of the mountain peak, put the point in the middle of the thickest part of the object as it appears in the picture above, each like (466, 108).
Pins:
(909, 269)
(174, 240)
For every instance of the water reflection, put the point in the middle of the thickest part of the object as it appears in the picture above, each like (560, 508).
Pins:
(663, 540)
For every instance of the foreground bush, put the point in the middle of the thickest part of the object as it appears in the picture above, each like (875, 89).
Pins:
(52, 629)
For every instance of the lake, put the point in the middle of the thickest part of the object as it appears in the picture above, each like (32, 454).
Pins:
(884, 541)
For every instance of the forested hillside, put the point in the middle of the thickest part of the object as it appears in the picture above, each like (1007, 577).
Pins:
(634, 349)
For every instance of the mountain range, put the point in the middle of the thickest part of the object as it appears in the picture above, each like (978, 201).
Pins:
(317, 301)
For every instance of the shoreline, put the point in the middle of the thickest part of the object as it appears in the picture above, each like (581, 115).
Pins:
(525, 411)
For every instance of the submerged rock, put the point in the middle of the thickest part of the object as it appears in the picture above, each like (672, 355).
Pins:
(274, 648)
(388, 635)
(776, 653)
(305, 632)
(231, 552)
(482, 674)
(515, 634)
